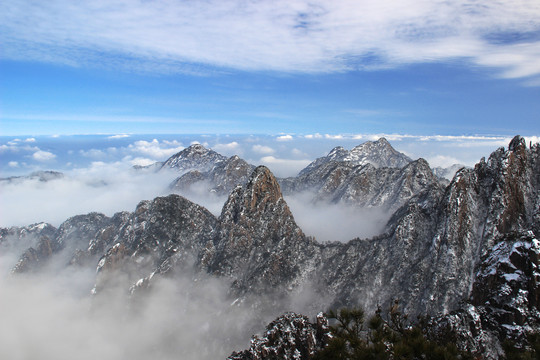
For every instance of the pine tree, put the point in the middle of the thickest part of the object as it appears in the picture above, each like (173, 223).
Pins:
(385, 336)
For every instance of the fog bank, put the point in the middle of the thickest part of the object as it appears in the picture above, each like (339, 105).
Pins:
(335, 222)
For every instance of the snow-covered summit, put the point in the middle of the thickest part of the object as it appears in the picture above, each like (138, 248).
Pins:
(194, 157)
(377, 153)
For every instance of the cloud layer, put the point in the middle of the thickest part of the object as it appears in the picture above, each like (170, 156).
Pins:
(99, 176)
(290, 36)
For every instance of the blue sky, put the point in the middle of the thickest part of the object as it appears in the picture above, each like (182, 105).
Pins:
(270, 67)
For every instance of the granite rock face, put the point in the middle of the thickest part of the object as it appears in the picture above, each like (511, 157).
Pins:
(363, 186)
(194, 157)
(377, 153)
(221, 179)
(289, 337)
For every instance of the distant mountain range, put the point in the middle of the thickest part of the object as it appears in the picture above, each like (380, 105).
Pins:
(465, 252)
(37, 175)
(372, 174)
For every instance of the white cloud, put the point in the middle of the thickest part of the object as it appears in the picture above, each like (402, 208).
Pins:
(102, 187)
(13, 164)
(335, 222)
(313, 136)
(442, 161)
(284, 138)
(333, 137)
(532, 139)
(172, 143)
(30, 140)
(141, 161)
(205, 143)
(298, 153)
(119, 136)
(93, 153)
(262, 149)
(52, 311)
(231, 148)
(154, 149)
(389, 137)
(284, 167)
(42, 155)
(291, 35)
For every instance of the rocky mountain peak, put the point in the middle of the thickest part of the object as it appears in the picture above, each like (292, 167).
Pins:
(262, 189)
(221, 179)
(381, 143)
(196, 148)
(257, 238)
(259, 200)
(194, 157)
(377, 153)
(291, 336)
(337, 153)
(517, 142)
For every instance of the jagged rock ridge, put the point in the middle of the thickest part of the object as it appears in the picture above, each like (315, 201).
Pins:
(193, 157)
(221, 179)
(363, 185)
(42, 176)
(372, 174)
(377, 153)
(289, 337)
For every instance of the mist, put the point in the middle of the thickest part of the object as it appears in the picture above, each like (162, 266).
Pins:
(103, 187)
(48, 316)
(335, 221)
(200, 194)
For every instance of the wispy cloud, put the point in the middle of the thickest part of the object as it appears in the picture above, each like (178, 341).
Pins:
(284, 138)
(119, 136)
(41, 155)
(284, 167)
(232, 148)
(262, 149)
(282, 35)
(155, 149)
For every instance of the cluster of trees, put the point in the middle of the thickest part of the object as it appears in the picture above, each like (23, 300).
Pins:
(383, 336)
(391, 336)
(532, 353)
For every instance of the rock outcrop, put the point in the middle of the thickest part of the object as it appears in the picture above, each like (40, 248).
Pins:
(289, 337)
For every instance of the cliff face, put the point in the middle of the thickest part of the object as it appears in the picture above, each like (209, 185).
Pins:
(290, 336)
(376, 153)
(258, 243)
(194, 157)
(221, 179)
(363, 186)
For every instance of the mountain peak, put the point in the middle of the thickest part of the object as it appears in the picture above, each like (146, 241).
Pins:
(382, 141)
(258, 202)
(517, 142)
(257, 238)
(194, 157)
(378, 153)
(196, 148)
(261, 190)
